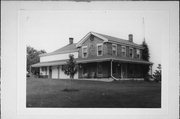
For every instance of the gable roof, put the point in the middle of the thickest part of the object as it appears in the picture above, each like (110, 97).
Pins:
(108, 38)
(66, 49)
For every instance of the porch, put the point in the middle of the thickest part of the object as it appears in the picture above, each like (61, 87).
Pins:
(109, 69)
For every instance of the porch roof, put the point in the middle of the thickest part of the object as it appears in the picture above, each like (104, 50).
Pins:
(89, 60)
(124, 60)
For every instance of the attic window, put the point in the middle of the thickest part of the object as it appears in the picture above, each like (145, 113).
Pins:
(91, 37)
(99, 49)
(114, 49)
(84, 52)
(123, 51)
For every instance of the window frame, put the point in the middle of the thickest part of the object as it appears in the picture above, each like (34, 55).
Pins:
(102, 49)
(83, 51)
(139, 53)
(132, 52)
(122, 51)
(115, 49)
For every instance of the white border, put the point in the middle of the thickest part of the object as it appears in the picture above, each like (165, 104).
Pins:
(13, 64)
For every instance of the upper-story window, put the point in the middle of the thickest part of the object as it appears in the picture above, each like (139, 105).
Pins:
(114, 49)
(131, 52)
(84, 52)
(99, 49)
(123, 51)
(138, 53)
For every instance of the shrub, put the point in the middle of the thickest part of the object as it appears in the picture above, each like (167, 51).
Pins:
(157, 74)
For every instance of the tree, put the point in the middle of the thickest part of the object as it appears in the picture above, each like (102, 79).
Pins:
(157, 74)
(145, 56)
(33, 57)
(70, 68)
(145, 51)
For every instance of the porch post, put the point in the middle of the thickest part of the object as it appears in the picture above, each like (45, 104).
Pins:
(58, 71)
(30, 70)
(126, 71)
(151, 69)
(111, 67)
(121, 71)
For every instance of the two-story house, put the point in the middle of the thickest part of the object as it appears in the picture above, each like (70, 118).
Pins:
(98, 56)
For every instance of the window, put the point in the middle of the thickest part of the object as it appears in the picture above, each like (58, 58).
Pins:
(99, 49)
(114, 49)
(123, 50)
(44, 69)
(84, 52)
(138, 53)
(131, 52)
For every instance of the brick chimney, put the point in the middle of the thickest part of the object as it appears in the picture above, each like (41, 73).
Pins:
(70, 40)
(130, 37)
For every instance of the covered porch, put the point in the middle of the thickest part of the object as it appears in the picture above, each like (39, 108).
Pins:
(111, 68)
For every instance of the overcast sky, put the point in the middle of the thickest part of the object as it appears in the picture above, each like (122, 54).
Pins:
(50, 30)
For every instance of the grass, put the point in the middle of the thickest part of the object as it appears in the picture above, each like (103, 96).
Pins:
(80, 93)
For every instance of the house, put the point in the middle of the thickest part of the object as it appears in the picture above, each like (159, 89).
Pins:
(98, 56)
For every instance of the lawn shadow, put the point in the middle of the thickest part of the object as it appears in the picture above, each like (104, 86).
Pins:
(70, 90)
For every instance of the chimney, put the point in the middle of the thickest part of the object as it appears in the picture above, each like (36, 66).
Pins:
(130, 37)
(70, 40)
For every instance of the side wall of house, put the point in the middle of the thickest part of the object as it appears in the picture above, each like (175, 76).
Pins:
(108, 51)
(57, 73)
(92, 47)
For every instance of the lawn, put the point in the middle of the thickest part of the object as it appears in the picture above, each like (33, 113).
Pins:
(121, 94)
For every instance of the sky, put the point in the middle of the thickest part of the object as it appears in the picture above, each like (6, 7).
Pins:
(51, 29)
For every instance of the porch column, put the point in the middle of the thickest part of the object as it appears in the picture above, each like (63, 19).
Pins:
(121, 71)
(58, 71)
(111, 68)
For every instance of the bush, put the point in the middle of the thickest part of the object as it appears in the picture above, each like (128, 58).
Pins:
(157, 74)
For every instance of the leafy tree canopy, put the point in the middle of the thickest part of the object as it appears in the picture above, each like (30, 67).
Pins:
(70, 68)
(33, 56)
(145, 51)
(145, 56)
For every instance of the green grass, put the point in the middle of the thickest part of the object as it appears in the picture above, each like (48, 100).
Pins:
(121, 94)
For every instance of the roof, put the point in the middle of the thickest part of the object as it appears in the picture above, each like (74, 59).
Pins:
(96, 59)
(119, 40)
(73, 47)
(66, 49)
(108, 58)
(108, 38)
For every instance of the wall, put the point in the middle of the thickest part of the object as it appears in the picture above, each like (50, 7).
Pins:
(59, 74)
(92, 47)
(57, 57)
(107, 48)
(54, 72)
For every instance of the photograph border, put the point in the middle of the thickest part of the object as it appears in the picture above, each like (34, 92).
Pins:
(169, 65)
